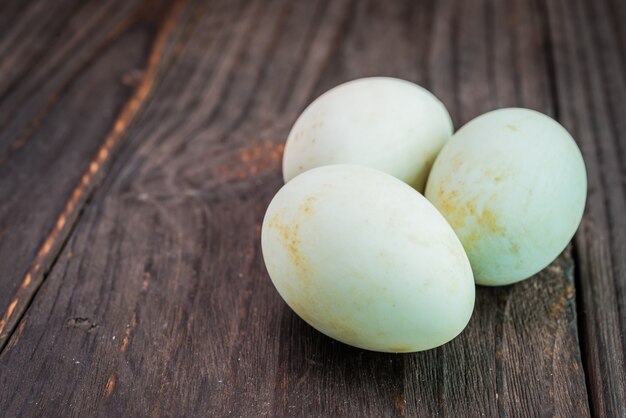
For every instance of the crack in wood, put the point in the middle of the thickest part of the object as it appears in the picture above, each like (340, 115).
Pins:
(53, 244)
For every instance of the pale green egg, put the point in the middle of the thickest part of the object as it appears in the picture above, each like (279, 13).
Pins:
(385, 123)
(512, 184)
(367, 260)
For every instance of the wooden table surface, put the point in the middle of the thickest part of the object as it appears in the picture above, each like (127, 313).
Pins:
(140, 143)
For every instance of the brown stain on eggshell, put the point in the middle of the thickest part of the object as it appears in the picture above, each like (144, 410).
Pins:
(400, 349)
(306, 207)
(303, 313)
(289, 232)
(459, 210)
(342, 328)
(472, 218)
(336, 327)
(305, 302)
(488, 220)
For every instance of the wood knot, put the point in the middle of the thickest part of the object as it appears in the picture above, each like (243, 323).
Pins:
(81, 323)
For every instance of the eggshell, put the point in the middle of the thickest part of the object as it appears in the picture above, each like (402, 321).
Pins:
(367, 260)
(512, 184)
(380, 122)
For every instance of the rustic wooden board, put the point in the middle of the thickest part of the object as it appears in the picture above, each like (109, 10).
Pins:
(158, 302)
(590, 82)
(62, 87)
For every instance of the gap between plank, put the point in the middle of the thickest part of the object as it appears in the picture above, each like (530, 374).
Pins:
(548, 52)
(91, 179)
(581, 328)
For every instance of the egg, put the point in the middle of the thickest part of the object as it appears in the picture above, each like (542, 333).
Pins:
(367, 260)
(385, 123)
(512, 184)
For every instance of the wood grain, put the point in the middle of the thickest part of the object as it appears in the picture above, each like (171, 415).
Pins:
(158, 302)
(50, 142)
(591, 84)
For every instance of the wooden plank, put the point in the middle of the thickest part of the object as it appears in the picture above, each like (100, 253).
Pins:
(591, 83)
(44, 49)
(61, 95)
(160, 304)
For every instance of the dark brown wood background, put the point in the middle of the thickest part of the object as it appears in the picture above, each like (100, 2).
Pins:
(140, 143)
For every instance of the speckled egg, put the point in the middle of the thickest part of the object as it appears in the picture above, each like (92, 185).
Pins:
(512, 184)
(367, 260)
(380, 122)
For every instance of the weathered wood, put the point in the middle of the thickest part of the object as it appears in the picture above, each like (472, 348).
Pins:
(159, 303)
(62, 88)
(590, 81)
